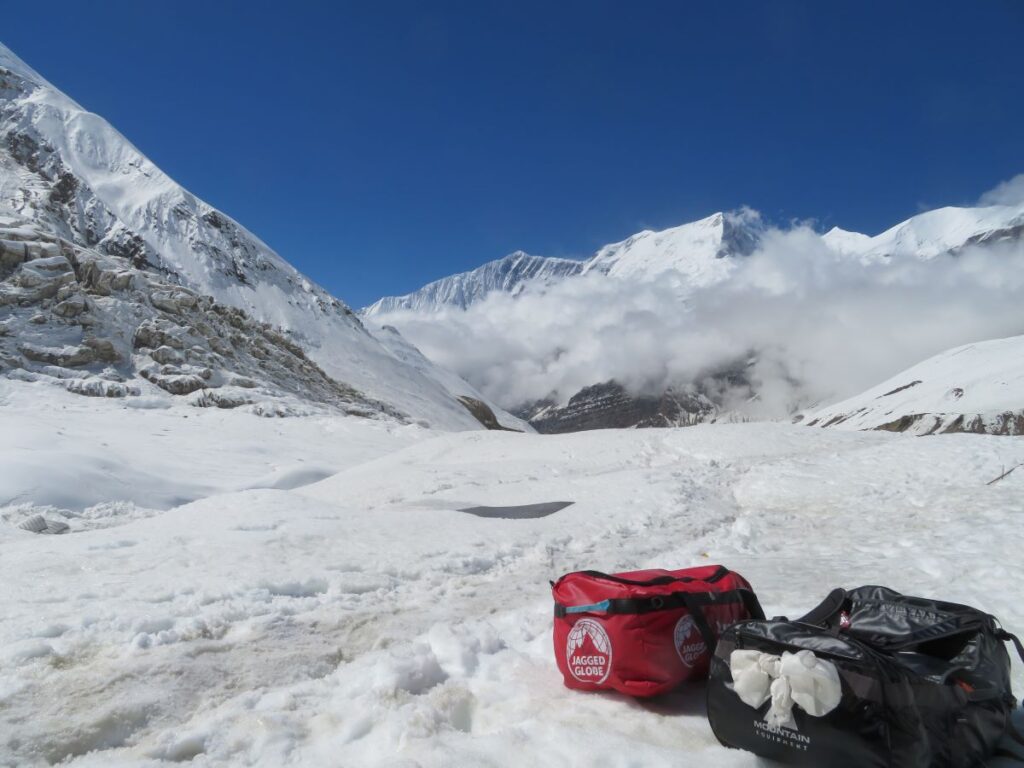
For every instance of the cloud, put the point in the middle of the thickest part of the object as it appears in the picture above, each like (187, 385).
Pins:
(813, 325)
(1010, 192)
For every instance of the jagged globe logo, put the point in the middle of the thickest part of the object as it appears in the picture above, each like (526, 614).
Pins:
(689, 644)
(588, 652)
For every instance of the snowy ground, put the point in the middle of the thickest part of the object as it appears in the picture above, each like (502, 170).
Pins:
(279, 618)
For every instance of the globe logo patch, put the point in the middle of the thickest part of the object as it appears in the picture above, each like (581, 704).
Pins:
(689, 644)
(588, 652)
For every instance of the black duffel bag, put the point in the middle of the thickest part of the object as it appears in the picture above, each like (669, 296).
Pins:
(868, 678)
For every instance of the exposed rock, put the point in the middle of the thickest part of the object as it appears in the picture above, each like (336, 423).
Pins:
(166, 354)
(12, 254)
(218, 398)
(176, 384)
(94, 387)
(66, 357)
(483, 413)
(71, 307)
(175, 301)
(96, 279)
(609, 406)
(103, 350)
(155, 334)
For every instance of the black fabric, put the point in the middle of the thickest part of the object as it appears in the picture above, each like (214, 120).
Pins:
(1013, 733)
(677, 600)
(701, 622)
(1006, 754)
(1005, 636)
(925, 684)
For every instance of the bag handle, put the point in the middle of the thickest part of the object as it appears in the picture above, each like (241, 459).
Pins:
(692, 601)
(1009, 637)
(718, 575)
(695, 602)
(826, 609)
(953, 625)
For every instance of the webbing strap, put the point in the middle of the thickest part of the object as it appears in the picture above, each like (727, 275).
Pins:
(1005, 636)
(701, 622)
(690, 600)
(720, 573)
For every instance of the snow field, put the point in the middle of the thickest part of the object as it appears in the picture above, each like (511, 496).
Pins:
(362, 621)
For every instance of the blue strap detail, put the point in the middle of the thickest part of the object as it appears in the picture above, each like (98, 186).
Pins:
(604, 605)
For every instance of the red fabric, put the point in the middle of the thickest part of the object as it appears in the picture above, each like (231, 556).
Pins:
(642, 654)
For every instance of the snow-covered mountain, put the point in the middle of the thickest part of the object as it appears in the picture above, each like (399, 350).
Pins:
(72, 183)
(934, 233)
(698, 253)
(510, 274)
(701, 251)
(699, 256)
(972, 388)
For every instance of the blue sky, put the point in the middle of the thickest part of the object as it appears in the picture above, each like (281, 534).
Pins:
(379, 145)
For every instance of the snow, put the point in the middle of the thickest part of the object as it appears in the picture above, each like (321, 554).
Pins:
(260, 619)
(73, 453)
(697, 251)
(845, 242)
(975, 383)
(512, 274)
(933, 233)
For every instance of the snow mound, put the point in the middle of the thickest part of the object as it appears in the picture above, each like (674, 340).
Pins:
(973, 388)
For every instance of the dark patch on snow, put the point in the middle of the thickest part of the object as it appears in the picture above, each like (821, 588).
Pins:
(521, 511)
(900, 389)
(39, 524)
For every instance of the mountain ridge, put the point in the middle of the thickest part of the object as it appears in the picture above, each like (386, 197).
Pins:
(509, 274)
(704, 253)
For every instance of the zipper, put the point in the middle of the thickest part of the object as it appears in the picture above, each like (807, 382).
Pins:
(792, 648)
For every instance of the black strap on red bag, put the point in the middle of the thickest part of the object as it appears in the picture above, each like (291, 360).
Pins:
(694, 602)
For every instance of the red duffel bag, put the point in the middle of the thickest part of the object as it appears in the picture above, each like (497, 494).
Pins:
(645, 632)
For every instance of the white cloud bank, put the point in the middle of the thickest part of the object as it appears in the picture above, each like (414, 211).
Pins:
(822, 327)
(1010, 192)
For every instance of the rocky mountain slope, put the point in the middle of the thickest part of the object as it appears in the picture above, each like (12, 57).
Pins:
(75, 189)
(609, 406)
(699, 253)
(973, 388)
(510, 274)
(98, 326)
